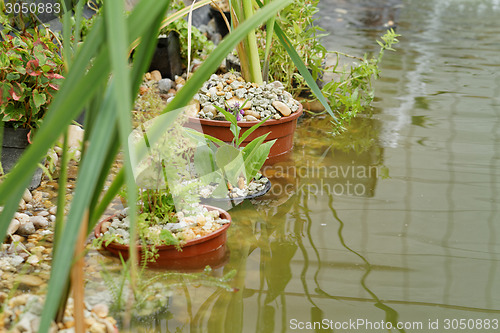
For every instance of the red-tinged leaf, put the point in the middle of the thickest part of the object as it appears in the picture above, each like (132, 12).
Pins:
(54, 86)
(13, 94)
(31, 68)
(54, 76)
(39, 42)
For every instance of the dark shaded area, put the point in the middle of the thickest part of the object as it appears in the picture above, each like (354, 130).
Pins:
(167, 56)
(14, 143)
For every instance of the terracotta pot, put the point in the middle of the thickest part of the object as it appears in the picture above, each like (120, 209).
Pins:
(195, 254)
(281, 129)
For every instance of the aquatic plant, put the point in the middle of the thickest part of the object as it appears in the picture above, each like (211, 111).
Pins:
(353, 91)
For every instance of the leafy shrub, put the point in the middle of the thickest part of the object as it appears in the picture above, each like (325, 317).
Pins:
(30, 73)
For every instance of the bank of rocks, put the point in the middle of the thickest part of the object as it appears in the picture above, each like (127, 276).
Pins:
(22, 314)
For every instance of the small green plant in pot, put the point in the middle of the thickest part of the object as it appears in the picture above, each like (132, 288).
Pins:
(255, 69)
(169, 216)
(231, 171)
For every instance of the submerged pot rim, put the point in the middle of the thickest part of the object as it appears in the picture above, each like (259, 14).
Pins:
(266, 189)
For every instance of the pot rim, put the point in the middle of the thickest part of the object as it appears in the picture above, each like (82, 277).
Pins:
(266, 189)
(195, 241)
(244, 124)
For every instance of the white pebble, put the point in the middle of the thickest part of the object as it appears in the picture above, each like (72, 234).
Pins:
(27, 197)
(39, 222)
(21, 217)
(53, 210)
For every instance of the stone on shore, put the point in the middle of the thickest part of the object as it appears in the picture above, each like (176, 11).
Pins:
(282, 108)
(156, 75)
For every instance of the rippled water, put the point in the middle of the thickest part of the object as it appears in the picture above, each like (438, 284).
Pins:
(395, 221)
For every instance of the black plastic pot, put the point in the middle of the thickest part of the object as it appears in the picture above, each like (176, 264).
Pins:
(14, 143)
(167, 57)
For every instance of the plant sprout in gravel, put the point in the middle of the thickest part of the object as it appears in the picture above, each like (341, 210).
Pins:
(236, 110)
(231, 170)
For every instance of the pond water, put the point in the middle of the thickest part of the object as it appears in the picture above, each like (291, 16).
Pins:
(395, 221)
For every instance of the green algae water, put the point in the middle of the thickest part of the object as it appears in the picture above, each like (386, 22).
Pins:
(392, 226)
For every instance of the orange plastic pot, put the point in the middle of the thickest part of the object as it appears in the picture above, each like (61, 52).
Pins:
(195, 254)
(282, 130)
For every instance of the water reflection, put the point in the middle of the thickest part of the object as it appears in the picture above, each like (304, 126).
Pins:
(391, 315)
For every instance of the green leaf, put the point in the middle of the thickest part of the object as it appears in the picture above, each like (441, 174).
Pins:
(230, 160)
(252, 145)
(200, 137)
(204, 160)
(12, 77)
(256, 159)
(250, 131)
(228, 115)
(225, 155)
(38, 99)
(4, 61)
(21, 69)
(234, 128)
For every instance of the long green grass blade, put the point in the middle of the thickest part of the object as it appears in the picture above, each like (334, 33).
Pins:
(93, 160)
(115, 25)
(102, 177)
(110, 194)
(61, 192)
(303, 70)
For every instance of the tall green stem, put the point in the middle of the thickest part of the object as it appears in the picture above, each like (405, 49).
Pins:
(269, 40)
(253, 50)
